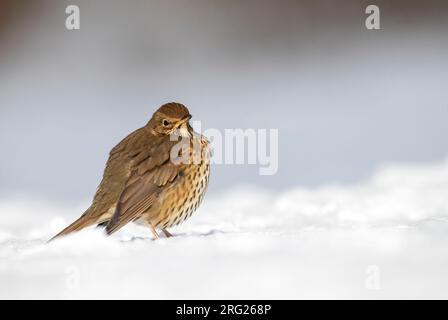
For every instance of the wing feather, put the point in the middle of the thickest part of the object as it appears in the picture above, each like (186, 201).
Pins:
(144, 186)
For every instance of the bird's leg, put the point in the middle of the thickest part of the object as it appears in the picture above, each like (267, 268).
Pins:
(167, 233)
(102, 224)
(153, 230)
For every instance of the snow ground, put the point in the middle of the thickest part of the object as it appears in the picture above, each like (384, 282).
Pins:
(384, 238)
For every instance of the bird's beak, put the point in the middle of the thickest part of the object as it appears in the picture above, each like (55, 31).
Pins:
(184, 120)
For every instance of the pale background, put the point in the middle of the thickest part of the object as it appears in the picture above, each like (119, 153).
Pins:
(344, 98)
(362, 117)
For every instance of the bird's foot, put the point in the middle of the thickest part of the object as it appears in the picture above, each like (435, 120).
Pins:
(154, 232)
(167, 233)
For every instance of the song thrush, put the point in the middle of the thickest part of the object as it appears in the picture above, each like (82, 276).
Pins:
(143, 183)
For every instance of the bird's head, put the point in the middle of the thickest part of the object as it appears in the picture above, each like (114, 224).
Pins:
(169, 118)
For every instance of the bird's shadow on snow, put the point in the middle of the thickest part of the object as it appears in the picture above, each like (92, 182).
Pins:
(209, 233)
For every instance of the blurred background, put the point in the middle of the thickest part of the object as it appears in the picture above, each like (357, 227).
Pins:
(345, 99)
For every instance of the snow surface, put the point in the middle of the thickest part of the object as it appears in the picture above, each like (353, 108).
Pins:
(384, 238)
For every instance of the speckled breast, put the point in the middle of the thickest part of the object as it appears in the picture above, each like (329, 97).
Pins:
(180, 201)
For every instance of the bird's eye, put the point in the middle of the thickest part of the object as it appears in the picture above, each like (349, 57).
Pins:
(166, 123)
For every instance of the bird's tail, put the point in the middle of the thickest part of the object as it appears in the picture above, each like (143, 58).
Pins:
(83, 222)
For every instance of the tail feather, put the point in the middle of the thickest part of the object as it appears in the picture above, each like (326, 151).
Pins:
(79, 224)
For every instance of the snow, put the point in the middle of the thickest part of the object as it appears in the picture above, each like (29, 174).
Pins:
(383, 238)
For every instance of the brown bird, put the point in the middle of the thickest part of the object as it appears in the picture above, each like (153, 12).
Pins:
(157, 175)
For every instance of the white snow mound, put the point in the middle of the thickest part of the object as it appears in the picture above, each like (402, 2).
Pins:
(385, 238)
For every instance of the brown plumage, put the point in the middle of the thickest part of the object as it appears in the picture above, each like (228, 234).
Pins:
(143, 182)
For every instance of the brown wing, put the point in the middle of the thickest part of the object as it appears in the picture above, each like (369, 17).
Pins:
(135, 148)
(148, 178)
(116, 173)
